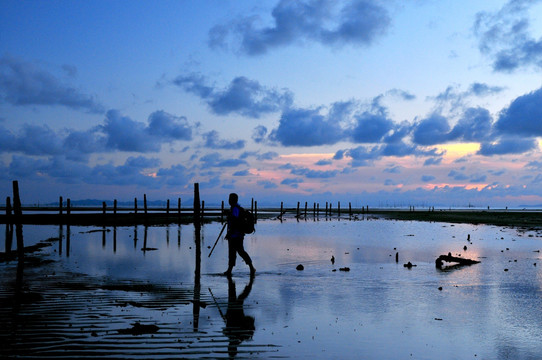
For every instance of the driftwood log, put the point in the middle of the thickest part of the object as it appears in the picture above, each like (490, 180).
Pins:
(453, 259)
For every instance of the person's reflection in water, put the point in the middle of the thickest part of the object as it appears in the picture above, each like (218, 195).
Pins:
(239, 327)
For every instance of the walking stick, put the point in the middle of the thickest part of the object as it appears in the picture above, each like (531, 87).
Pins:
(218, 307)
(218, 238)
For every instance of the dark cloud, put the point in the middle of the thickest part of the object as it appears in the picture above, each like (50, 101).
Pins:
(432, 130)
(292, 182)
(215, 160)
(243, 96)
(523, 116)
(405, 95)
(355, 22)
(323, 162)
(458, 175)
(176, 175)
(259, 133)
(241, 173)
(212, 141)
(427, 178)
(432, 161)
(505, 37)
(266, 184)
(116, 133)
(125, 134)
(167, 126)
(306, 127)
(31, 140)
(66, 171)
(480, 89)
(314, 174)
(474, 125)
(393, 170)
(370, 128)
(23, 83)
(260, 157)
(511, 145)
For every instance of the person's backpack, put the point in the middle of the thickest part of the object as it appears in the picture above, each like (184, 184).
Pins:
(247, 221)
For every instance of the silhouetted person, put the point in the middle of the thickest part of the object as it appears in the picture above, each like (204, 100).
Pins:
(235, 236)
(239, 327)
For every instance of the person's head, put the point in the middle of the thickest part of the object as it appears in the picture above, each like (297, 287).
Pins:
(233, 199)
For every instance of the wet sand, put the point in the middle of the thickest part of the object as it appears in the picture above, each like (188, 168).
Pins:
(92, 292)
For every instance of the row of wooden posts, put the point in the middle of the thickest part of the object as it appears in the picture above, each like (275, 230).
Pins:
(198, 207)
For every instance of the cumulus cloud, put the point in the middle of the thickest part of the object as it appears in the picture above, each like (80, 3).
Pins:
(523, 116)
(167, 126)
(292, 182)
(266, 184)
(65, 171)
(212, 141)
(510, 145)
(427, 178)
(116, 133)
(354, 22)
(505, 37)
(432, 130)
(269, 155)
(241, 173)
(370, 128)
(316, 129)
(259, 133)
(242, 96)
(31, 140)
(215, 160)
(474, 125)
(23, 83)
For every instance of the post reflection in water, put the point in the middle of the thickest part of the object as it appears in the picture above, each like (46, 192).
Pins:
(239, 326)
(197, 276)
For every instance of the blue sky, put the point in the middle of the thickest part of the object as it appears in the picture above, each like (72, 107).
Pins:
(381, 103)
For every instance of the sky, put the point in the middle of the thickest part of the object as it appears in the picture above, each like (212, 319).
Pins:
(380, 103)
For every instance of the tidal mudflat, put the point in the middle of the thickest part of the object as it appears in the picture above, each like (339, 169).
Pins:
(152, 292)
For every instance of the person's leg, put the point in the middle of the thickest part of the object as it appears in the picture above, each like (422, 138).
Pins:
(244, 255)
(231, 256)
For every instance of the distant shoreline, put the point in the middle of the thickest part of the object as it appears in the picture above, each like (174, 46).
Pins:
(500, 217)
(516, 218)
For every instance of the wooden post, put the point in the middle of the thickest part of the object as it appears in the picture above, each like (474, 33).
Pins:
(298, 209)
(350, 209)
(8, 208)
(196, 205)
(314, 209)
(339, 209)
(326, 208)
(222, 212)
(68, 207)
(103, 207)
(305, 209)
(179, 207)
(145, 204)
(167, 207)
(318, 210)
(18, 214)
(252, 205)
(60, 206)
(16, 200)
(115, 207)
(202, 208)
(330, 209)
(135, 205)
